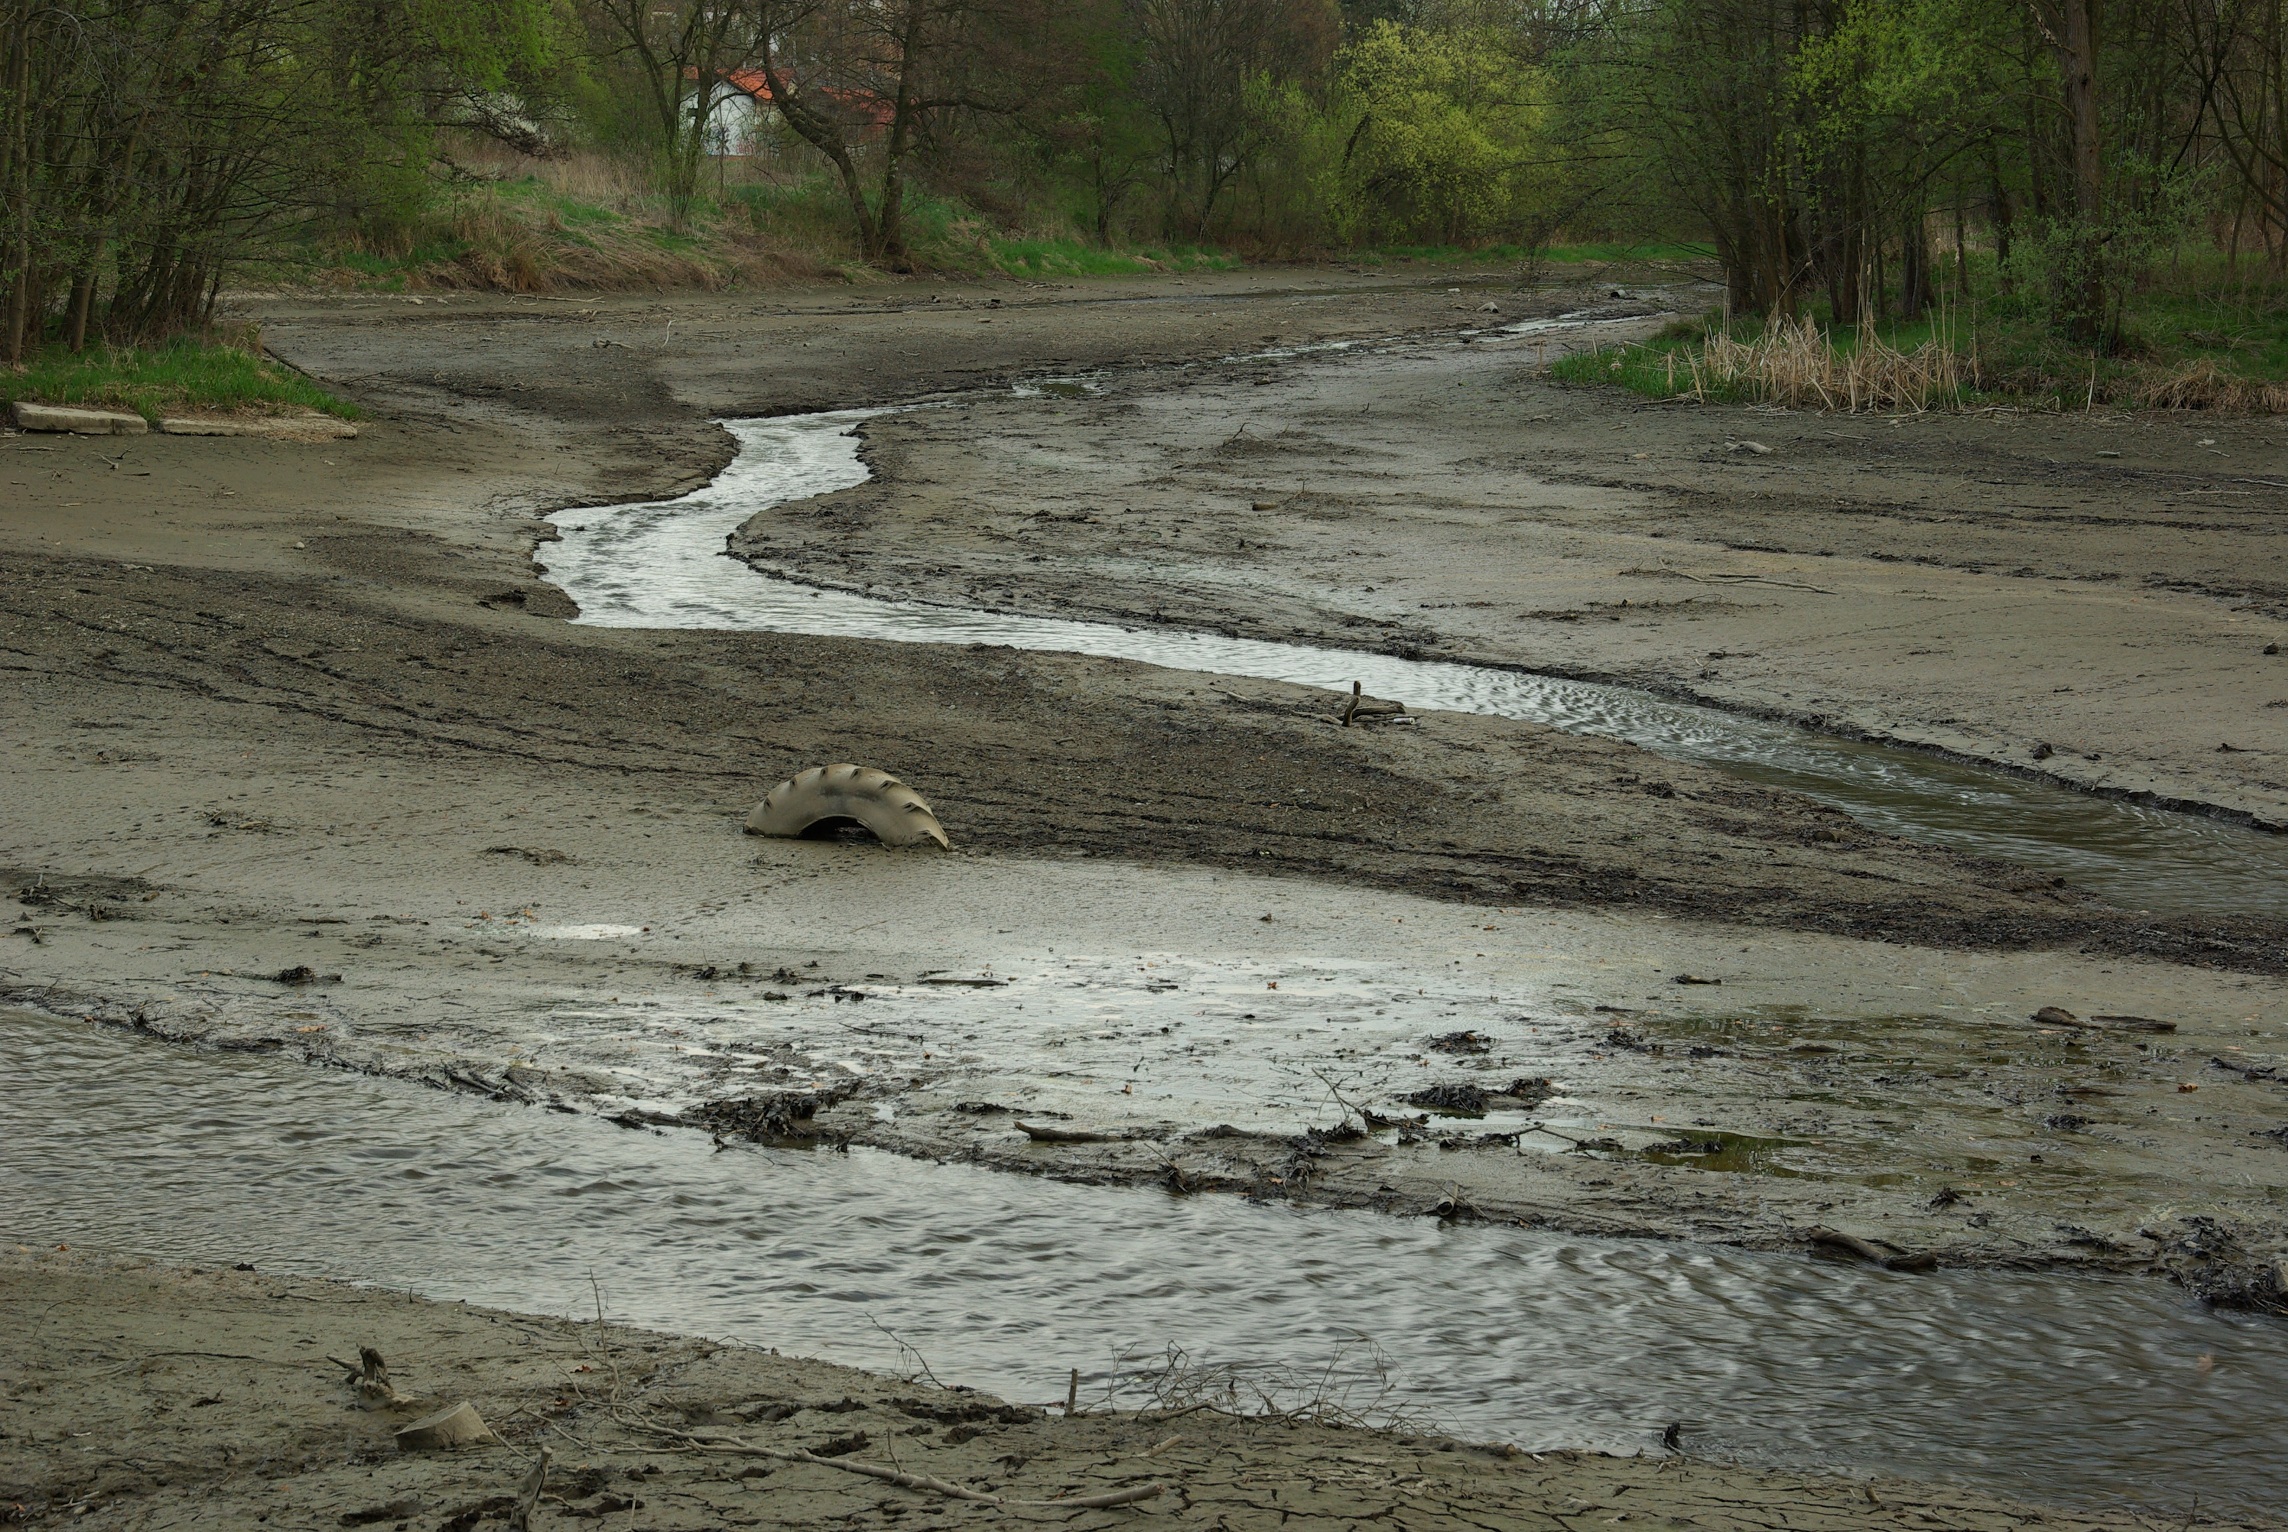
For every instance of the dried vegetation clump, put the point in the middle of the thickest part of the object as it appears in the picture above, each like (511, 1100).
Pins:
(2202, 385)
(1793, 362)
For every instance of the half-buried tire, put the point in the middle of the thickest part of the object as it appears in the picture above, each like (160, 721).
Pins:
(825, 798)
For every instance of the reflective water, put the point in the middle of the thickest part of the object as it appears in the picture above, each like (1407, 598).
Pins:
(2072, 1389)
(662, 564)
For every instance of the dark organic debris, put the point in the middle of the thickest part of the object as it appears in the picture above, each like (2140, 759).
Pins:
(1455, 1099)
(1947, 1197)
(2135, 1023)
(1461, 1043)
(2058, 1016)
(2278, 1135)
(1529, 1090)
(467, 1517)
(2249, 1072)
(303, 973)
(771, 1118)
(841, 1446)
(1693, 978)
(538, 856)
(965, 1411)
(2065, 1122)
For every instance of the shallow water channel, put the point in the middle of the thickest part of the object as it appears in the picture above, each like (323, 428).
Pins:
(2063, 1389)
(663, 564)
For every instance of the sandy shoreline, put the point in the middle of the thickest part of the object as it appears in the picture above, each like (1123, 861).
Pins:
(146, 1397)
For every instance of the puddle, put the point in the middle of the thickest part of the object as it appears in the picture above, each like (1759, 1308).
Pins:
(2081, 1390)
(662, 564)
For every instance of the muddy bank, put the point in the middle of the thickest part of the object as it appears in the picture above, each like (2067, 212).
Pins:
(147, 1397)
(491, 924)
(2088, 598)
(1021, 752)
(274, 708)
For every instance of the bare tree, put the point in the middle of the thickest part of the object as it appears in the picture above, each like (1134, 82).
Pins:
(1199, 65)
(866, 82)
(683, 54)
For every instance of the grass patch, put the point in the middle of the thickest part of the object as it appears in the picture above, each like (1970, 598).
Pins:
(1607, 254)
(1072, 258)
(184, 374)
(2194, 343)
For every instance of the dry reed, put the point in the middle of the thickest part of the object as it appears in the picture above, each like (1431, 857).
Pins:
(2202, 385)
(1793, 362)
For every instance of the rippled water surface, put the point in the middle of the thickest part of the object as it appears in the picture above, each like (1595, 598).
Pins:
(2077, 1389)
(662, 564)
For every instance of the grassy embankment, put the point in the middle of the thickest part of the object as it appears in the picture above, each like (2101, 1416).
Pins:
(2196, 339)
(590, 222)
(191, 373)
(587, 223)
(1653, 257)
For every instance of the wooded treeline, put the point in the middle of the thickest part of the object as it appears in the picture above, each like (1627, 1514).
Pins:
(1849, 149)
(1853, 155)
(150, 143)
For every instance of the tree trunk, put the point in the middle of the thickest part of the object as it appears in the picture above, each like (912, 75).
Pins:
(1914, 269)
(2073, 38)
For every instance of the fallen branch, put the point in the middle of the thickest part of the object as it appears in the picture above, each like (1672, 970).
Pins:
(1042, 1134)
(905, 1480)
(520, 1519)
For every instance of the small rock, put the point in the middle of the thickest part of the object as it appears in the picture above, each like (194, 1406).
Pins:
(2043, 752)
(2056, 1016)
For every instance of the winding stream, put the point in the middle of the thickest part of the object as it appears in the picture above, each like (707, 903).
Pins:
(2067, 1389)
(662, 564)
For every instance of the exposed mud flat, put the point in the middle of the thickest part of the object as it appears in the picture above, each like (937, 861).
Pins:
(2087, 597)
(304, 764)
